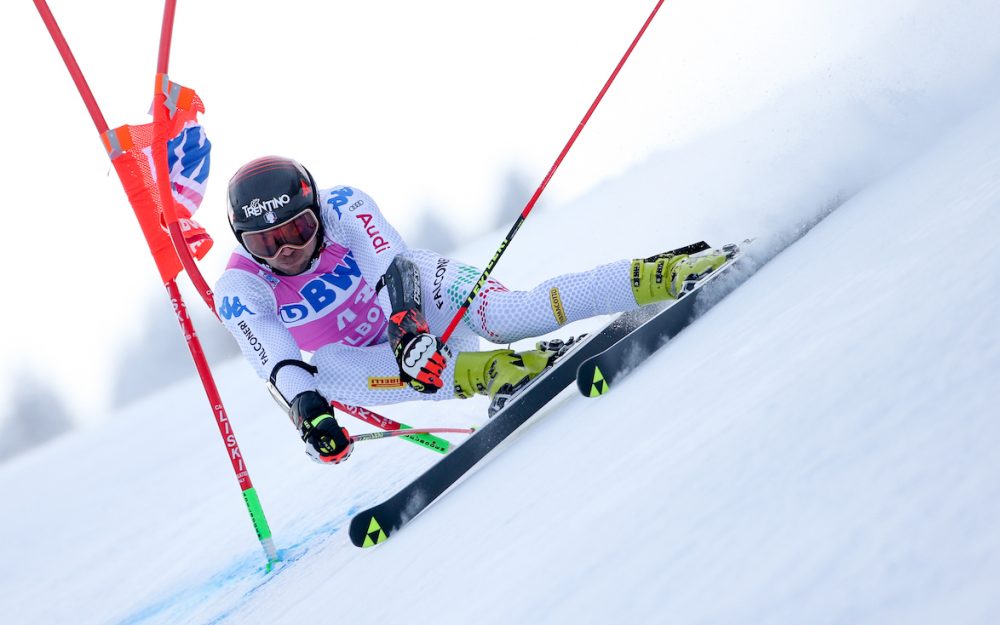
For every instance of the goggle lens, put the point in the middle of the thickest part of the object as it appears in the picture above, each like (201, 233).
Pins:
(297, 233)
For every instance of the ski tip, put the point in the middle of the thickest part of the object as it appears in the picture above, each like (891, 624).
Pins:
(590, 380)
(366, 531)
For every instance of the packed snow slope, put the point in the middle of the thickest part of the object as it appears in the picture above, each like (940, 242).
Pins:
(818, 447)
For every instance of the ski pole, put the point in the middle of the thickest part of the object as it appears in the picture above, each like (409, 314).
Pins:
(545, 181)
(434, 443)
(374, 436)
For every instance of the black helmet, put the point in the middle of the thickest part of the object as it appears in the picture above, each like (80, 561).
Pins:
(269, 191)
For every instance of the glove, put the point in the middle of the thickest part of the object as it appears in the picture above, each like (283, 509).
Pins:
(421, 363)
(326, 440)
(420, 355)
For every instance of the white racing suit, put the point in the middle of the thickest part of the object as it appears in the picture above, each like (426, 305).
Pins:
(331, 309)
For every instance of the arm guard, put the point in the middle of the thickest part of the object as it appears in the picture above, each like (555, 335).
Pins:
(402, 284)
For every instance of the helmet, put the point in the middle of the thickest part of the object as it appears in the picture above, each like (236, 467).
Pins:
(267, 192)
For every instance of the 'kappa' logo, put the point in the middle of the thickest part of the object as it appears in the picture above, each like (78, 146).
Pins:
(233, 308)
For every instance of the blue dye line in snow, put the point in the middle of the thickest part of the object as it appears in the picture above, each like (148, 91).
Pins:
(247, 570)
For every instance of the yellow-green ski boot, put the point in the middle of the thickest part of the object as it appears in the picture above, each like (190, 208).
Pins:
(501, 373)
(670, 275)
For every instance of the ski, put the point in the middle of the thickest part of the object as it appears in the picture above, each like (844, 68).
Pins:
(602, 370)
(376, 524)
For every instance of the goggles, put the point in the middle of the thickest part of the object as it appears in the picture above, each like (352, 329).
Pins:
(296, 233)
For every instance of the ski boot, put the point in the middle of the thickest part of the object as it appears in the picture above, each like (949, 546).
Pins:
(500, 374)
(673, 274)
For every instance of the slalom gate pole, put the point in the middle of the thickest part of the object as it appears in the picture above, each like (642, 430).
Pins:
(72, 66)
(250, 497)
(169, 211)
(545, 181)
(249, 493)
(166, 36)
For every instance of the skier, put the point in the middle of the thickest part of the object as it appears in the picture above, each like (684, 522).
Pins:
(322, 271)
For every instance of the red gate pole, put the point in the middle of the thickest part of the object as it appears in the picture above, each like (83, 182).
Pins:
(194, 345)
(250, 496)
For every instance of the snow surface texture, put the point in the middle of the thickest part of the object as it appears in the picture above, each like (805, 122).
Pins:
(820, 447)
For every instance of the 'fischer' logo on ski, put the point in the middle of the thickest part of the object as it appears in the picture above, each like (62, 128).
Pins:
(374, 535)
(599, 386)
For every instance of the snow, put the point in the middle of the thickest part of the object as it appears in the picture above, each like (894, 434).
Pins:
(819, 447)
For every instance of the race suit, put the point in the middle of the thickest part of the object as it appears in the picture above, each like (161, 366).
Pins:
(331, 309)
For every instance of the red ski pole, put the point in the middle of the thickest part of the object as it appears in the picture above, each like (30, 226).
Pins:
(545, 181)
(424, 439)
(374, 436)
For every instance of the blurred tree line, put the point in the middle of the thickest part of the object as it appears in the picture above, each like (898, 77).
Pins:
(155, 357)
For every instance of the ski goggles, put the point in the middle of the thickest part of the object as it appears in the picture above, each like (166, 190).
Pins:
(296, 233)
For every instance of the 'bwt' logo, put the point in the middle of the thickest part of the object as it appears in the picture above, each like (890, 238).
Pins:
(317, 294)
(257, 206)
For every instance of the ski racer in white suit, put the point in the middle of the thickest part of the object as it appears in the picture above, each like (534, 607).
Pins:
(322, 271)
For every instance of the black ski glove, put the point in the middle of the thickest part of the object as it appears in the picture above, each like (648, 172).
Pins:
(326, 441)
